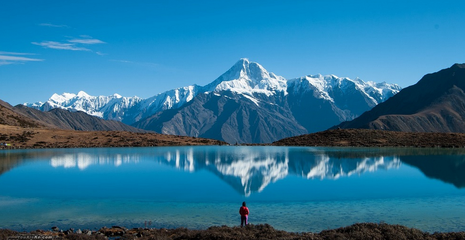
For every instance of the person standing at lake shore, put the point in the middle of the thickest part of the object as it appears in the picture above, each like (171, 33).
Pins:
(244, 212)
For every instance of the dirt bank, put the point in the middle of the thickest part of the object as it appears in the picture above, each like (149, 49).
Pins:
(20, 138)
(375, 138)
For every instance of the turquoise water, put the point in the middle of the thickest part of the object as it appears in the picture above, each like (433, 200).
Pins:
(291, 188)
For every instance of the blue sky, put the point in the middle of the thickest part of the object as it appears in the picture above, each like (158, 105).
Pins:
(146, 47)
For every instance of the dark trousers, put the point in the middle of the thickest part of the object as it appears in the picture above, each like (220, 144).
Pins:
(244, 220)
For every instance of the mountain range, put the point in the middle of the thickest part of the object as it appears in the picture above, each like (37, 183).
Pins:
(246, 104)
(435, 104)
(26, 117)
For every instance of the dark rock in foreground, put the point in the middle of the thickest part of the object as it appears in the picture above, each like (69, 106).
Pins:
(262, 231)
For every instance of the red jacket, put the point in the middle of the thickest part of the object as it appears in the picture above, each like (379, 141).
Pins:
(244, 211)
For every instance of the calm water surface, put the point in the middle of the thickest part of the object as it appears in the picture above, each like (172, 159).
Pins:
(291, 188)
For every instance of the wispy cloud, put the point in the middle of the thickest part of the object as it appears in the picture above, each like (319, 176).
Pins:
(15, 53)
(62, 46)
(7, 58)
(73, 44)
(52, 25)
(86, 41)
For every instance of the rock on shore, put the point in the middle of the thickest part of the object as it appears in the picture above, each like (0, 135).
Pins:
(261, 231)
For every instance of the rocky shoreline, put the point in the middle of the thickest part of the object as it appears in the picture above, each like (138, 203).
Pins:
(19, 138)
(375, 138)
(261, 231)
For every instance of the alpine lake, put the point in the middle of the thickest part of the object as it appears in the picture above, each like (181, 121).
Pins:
(297, 189)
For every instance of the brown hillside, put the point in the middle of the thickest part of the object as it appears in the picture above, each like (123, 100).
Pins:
(64, 119)
(19, 137)
(435, 104)
(9, 117)
(20, 131)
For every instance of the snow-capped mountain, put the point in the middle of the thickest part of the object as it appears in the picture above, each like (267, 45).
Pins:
(245, 104)
(248, 78)
(171, 99)
(108, 107)
(337, 99)
(331, 87)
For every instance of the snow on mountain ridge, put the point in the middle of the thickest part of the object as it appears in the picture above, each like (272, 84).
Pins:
(92, 105)
(62, 98)
(245, 78)
(83, 94)
(383, 89)
(322, 86)
(168, 99)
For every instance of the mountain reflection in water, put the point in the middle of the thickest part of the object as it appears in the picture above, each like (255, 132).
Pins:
(84, 160)
(251, 169)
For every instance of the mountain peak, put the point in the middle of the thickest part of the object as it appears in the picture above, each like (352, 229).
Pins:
(247, 70)
(242, 63)
(82, 94)
(248, 77)
(458, 65)
(62, 98)
(243, 60)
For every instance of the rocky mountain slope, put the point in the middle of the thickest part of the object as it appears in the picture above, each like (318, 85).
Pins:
(8, 116)
(246, 104)
(23, 127)
(435, 104)
(27, 117)
(64, 119)
(229, 117)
